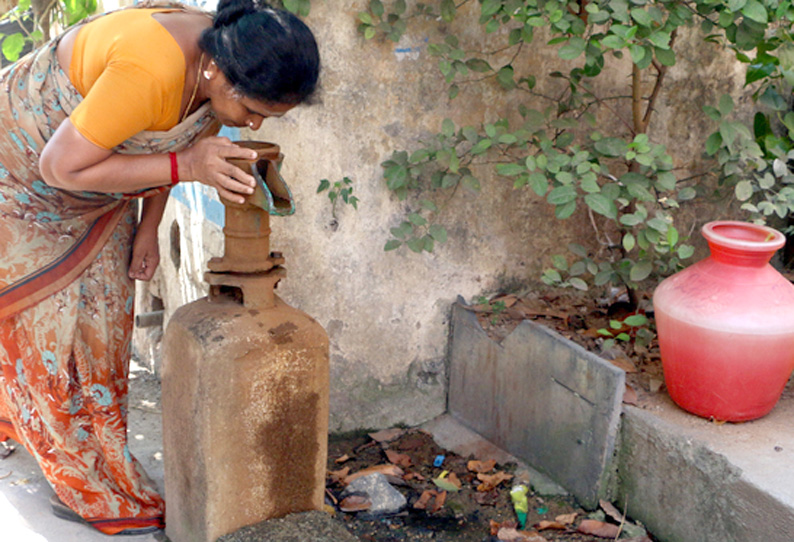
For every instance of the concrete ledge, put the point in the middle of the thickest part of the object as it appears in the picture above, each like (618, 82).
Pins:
(691, 480)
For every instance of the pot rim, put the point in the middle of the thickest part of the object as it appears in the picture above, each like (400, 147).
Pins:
(774, 240)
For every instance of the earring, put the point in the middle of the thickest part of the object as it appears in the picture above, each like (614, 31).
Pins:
(207, 74)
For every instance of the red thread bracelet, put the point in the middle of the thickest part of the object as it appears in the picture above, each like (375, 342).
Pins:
(174, 168)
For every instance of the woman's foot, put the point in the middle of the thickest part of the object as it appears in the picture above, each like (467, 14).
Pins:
(64, 512)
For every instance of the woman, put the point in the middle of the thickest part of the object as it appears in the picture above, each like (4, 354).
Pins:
(123, 106)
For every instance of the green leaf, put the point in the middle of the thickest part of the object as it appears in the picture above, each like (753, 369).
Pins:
(640, 271)
(369, 32)
(642, 17)
(562, 195)
(481, 146)
(685, 251)
(712, 113)
(756, 11)
(448, 10)
(438, 233)
(636, 320)
(505, 77)
(510, 170)
(539, 183)
(612, 41)
(559, 262)
(672, 236)
(578, 283)
(637, 53)
(417, 219)
(629, 242)
(324, 185)
(416, 245)
(744, 190)
(565, 211)
(601, 205)
(686, 194)
(713, 143)
(726, 105)
(365, 17)
(448, 128)
(392, 244)
(478, 65)
(12, 46)
(572, 49)
(665, 56)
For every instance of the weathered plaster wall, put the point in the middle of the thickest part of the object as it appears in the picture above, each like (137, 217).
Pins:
(387, 314)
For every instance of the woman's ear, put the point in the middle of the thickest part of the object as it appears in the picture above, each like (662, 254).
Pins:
(211, 71)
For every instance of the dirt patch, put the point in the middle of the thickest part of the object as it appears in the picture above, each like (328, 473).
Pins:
(589, 323)
(465, 515)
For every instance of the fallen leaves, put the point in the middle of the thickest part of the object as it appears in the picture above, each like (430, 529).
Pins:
(431, 500)
(598, 528)
(397, 458)
(507, 534)
(481, 466)
(491, 481)
(355, 503)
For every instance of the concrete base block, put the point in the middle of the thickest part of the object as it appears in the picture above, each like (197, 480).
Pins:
(541, 398)
(304, 527)
(690, 480)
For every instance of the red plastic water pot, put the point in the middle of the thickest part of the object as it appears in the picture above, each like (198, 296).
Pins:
(726, 325)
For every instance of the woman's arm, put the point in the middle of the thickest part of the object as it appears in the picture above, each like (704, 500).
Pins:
(145, 247)
(72, 162)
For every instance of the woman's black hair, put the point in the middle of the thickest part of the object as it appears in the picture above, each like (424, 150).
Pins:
(265, 54)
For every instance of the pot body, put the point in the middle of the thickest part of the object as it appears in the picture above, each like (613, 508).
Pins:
(726, 326)
(245, 413)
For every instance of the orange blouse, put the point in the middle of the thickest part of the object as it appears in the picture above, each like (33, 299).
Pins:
(131, 74)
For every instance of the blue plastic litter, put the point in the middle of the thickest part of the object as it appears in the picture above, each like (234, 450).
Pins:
(438, 461)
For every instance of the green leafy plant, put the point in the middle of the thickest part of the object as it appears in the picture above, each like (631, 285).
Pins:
(339, 190)
(553, 145)
(494, 307)
(635, 327)
(36, 18)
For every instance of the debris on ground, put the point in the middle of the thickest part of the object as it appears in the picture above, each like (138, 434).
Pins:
(460, 499)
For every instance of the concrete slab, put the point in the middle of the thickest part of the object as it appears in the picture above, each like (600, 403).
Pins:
(692, 480)
(541, 398)
(303, 527)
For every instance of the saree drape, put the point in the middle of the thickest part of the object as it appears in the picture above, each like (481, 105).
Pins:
(66, 304)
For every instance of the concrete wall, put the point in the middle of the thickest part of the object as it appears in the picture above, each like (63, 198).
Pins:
(388, 313)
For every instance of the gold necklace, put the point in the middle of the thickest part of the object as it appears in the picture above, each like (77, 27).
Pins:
(195, 88)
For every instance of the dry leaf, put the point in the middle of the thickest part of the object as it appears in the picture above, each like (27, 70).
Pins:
(630, 396)
(342, 459)
(495, 526)
(655, 384)
(414, 475)
(338, 476)
(489, 498)
(431, 496)
(624, 363)
(331, 496)
(355, 503)
(388, 470)
(611, 511)
(481, 466)
(637, 539)
(491, 481)
(398, 459)
(387, 435)
(543, 525)
(598, 528)
(507, 534)
(566, 519)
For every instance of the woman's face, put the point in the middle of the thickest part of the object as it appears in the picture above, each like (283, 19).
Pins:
(234, 109)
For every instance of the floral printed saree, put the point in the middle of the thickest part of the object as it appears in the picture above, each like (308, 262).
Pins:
(66, 305)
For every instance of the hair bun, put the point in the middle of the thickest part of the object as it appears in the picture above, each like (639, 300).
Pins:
(229, 11)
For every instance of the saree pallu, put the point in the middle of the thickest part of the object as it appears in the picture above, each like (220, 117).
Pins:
(66, 304)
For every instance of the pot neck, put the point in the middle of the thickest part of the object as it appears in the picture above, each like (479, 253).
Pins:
(742, 244)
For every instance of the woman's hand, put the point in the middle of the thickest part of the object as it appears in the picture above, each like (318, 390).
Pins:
(145, 254)
(205, 162)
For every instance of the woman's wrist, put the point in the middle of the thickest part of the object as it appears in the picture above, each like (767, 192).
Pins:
(174, 168)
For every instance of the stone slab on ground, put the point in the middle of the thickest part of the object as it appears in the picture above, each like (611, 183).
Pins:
(541, 398)
(692, 480)
(303, 527)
